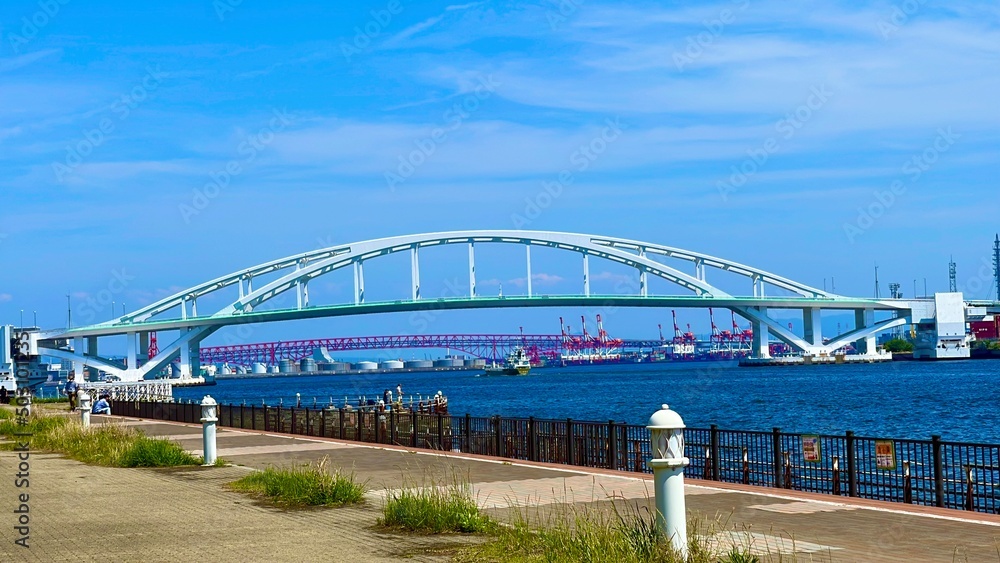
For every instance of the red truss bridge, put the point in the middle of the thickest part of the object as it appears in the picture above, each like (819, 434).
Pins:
(487, 346)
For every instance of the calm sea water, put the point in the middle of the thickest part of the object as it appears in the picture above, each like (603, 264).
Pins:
(958, 400)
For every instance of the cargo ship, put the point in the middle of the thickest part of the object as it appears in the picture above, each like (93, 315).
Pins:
(517, 363)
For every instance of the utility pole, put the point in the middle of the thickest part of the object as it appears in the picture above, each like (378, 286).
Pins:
(952, 275)
(925, 288)
(69, 312)
(876, 282)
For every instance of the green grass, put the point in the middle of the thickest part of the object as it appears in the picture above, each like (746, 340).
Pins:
(304, 486)
(594, 536)
(46, 400)
(434, 510)
(110, 445)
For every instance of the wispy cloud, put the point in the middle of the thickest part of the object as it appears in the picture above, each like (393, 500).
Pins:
(541, 279)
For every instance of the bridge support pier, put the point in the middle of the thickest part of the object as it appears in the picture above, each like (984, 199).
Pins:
(813, 326)
(864, 318)
(143, 347)
(131, 350)
(761, 337)
(190, 357)
(92, 373)
(78, 344)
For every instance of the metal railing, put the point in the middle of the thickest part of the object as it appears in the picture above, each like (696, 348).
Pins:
(132, 391)
(932, 472)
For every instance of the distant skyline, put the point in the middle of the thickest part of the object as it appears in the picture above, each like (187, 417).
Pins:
(153, 147)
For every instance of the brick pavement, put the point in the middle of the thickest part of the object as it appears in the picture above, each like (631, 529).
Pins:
(175, 514)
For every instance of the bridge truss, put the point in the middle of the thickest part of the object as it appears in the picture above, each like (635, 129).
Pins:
(485, 346)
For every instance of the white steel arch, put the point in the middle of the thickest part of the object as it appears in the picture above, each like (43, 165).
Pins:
(299, 269)
(295, 272)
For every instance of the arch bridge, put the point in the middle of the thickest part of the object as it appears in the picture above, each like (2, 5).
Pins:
(250, 296)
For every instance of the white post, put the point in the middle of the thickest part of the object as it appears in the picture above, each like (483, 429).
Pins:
(667, 440)
(83, 399)
(528, 252)
(643, 278)
(415, 272)
(208, 422)
(472, 270)
(586, 275)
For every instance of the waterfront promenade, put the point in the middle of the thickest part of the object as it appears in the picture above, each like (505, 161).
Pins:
(82, 512)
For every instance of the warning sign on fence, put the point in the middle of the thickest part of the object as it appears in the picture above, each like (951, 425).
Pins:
(885, 454)
(811, 449)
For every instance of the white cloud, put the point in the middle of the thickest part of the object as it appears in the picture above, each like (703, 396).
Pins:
(5, 297)
(537, 279)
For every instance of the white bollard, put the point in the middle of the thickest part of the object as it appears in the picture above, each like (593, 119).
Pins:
(666, 430)
(208, 421)
(83, 401)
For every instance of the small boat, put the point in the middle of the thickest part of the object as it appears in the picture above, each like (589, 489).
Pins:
(517, 363)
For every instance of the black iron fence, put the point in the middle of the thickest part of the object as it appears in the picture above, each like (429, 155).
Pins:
(926, 472)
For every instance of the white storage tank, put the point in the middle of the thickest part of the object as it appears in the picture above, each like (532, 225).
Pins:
(307, 365)
(391, 364)
(259, 368)
(272, 369)
(419, 364)
(447, 363)
(364, 366)
(286, 366)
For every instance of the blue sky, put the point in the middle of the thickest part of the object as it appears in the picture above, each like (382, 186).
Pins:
(811, 139)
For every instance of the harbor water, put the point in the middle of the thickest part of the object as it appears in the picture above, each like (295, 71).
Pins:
(957, 400)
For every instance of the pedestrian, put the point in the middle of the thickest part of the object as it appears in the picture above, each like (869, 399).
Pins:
(70, 390)
(4, 398)
(399, 391)
(102, 406)
(387, 397)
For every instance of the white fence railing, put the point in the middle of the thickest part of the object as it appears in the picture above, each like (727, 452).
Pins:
(136, 391)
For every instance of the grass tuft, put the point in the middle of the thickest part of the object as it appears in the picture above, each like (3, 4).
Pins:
(300, 487)
(434, 510)
(110, 445)
(594, 536)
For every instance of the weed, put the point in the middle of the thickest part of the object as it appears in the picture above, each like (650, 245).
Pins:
(298, 487)
(434, 510)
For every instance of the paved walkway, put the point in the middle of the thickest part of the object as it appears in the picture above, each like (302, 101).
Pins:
(81, 512)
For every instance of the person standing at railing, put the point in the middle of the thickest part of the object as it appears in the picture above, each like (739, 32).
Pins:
(70, 390)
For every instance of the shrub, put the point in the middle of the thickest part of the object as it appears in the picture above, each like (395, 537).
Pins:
(898, 345)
